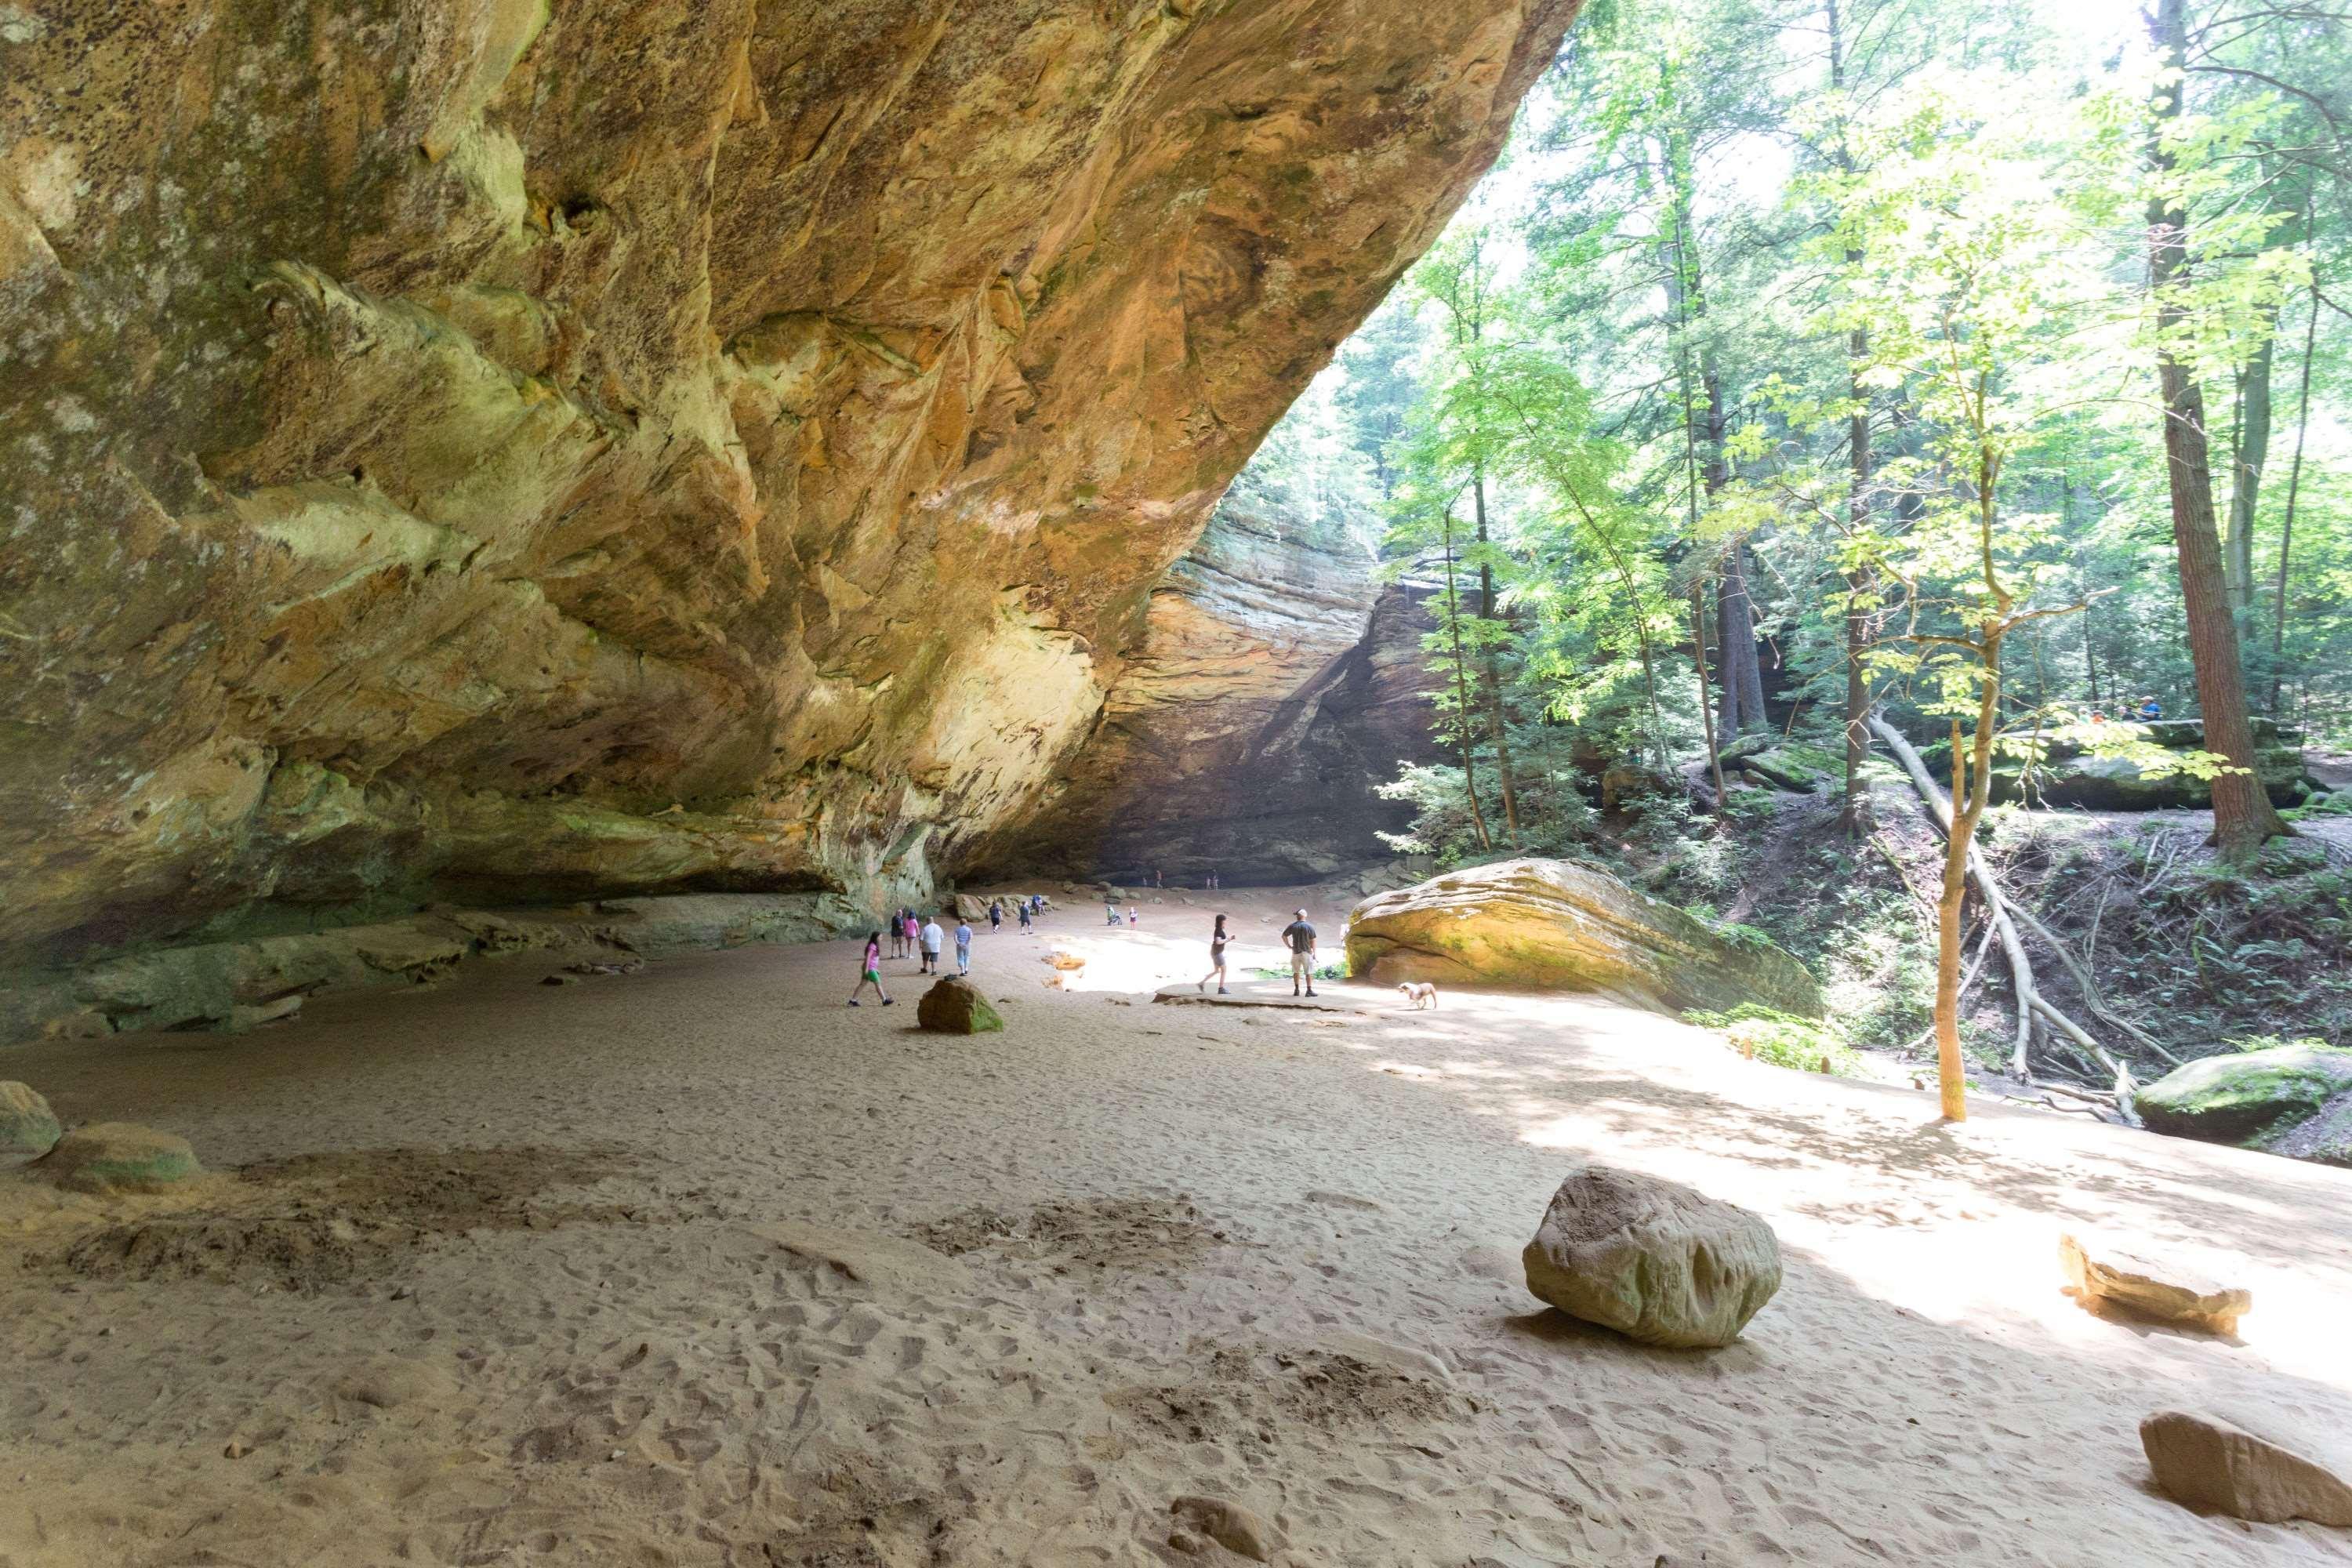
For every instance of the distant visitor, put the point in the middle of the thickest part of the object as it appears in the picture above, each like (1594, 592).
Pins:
(1299, 937)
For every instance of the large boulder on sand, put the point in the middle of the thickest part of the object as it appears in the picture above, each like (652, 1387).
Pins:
(119, 1157)
(2166, 1291)
(955, 1006)
(2289, 1100)
(1556, 925)
(1650, 1258)
(2248, 1465)
(28, 1125)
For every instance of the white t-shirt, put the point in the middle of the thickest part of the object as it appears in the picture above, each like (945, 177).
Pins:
(931, 936)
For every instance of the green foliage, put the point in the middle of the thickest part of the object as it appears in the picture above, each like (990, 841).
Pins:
(1781, 1039)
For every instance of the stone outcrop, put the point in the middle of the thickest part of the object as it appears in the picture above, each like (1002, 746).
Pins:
(1551, 925)
(2167, 1292)
(2248, 1465)
(119, 1157)
(1652, 1260)
(2070, 775)
(229, 985)
(2289, 1100)
(1276, 682)
(491, 452)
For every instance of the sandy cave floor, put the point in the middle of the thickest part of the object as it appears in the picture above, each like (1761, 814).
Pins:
(488, 1289)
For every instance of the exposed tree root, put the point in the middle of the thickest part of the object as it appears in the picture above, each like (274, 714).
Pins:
(2004, 919)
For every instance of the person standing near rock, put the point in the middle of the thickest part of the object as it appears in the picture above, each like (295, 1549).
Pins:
(870, 967)
(931, 938)
(995, 915)
(1217, 940)
(963, 946)
(1299, 937)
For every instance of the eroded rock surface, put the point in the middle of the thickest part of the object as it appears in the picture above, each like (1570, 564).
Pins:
(2249, 1465)
(1536, 924)
(488, 451)
(1277, 680)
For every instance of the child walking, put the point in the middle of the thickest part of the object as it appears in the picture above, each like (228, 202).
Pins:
(869, 970)
(1217, 940)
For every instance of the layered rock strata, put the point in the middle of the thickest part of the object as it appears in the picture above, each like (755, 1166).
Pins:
(493, 451)
(1278, 681)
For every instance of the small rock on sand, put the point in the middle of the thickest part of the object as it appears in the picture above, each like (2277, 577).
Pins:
(2249, 1466)
(1651, 1258)
(28, 1125)
(1343, 1200)
(955, 1006)
(1229, 1524)
(120, 1157)
(2166, 1291)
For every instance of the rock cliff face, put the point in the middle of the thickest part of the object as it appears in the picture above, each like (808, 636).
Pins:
(488, 449)
(1277, 681)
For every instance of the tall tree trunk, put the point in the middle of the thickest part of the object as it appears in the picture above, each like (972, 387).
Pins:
(2249, 453)
(1462, 692)
(1705, 704)
(2243, 815)
(2293, 485)
(1494, 676)
(1854, 817)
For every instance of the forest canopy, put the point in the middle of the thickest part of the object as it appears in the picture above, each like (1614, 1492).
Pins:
(1972, 368)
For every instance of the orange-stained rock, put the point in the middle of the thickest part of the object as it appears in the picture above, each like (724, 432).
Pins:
(485, 451)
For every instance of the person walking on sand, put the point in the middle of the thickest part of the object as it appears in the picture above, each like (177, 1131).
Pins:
(1111, 911)
(932, 936)
(995, 916)
(898, 924)
(907, 924)
(1130, 914)
(1299, 937)
(1025, 914)
(869, 968)
(1217, 940)
(963, 946)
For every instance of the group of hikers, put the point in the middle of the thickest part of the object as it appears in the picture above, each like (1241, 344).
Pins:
(2148, 712)
(913, 935)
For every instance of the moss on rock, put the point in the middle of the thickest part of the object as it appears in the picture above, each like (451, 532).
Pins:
(2247, 1097)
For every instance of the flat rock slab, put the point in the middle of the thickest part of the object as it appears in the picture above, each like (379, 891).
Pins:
(2167, 1292)
(2249, 1466)
(890, 1262)
(1334, 1002)
(120, 1157)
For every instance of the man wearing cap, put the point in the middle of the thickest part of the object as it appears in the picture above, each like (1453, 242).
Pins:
(1301, 938)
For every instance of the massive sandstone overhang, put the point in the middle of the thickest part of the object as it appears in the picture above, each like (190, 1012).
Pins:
(483, 450)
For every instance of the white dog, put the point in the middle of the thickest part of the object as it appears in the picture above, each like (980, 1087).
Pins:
(1420, 992)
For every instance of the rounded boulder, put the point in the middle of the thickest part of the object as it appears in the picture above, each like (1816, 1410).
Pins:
(1653, 1259)
(955, 1006)
(28, 1125)
(120, 1157)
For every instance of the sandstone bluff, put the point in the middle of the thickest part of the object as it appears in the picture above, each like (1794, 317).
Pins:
(487, 451)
